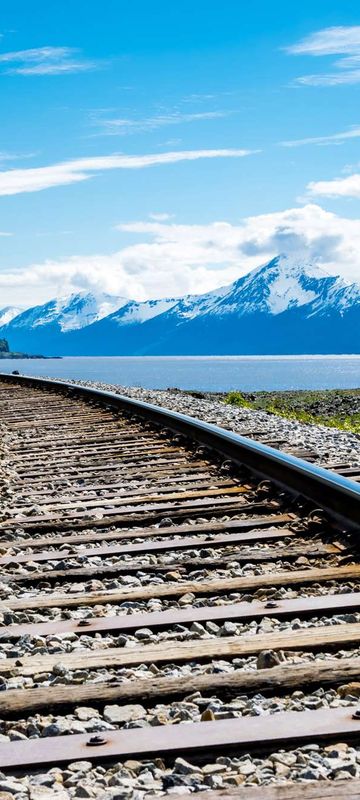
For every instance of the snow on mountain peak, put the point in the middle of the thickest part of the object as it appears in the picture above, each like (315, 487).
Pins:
(293, 265)
(285, 292)
(78, 310)
(288, 305)
(70, 313)
(284, 282)
(9, 313)
(300, 265)
(133, 312)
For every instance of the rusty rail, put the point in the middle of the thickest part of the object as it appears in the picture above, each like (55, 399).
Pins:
(197, 739)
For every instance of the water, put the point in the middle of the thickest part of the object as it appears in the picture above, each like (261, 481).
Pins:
(216, 373)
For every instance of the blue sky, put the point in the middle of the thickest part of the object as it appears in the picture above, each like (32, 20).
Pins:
(151, 149)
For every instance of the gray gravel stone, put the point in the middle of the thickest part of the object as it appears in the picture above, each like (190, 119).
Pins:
(127, 713)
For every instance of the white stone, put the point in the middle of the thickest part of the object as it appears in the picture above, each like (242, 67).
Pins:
(127, 713)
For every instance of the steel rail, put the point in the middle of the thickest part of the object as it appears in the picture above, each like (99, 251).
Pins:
(334, 493)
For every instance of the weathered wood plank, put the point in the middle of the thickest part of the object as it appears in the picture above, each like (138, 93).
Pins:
(244, 554)
(96, 455)
(129, 567)
(48, 422)
(90, 444)
(225, 647)
(171, 455)
(249, 527)
(291, 790)
(198, 476)
(148, 513)
(152, 467)
(132, 500)
(112, 432)
(300, 606)
(80, 433)
(152, 690)
(118, 490)
(283, 578)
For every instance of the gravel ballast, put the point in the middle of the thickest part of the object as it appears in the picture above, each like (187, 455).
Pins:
(329, 444)
(156, 777)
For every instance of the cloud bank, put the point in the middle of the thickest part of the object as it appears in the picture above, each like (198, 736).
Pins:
(172, 259)
(338, 187)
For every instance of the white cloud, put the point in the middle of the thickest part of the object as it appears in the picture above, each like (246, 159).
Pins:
(123, 126)
(339, 187)
(170, 143)
(334, 138)
(172, 259)
(329, 41)
(160, 217)
(45, 61)
(16, 181)
(349, 78)
(14, 156)
(5, 233)
(341, 40)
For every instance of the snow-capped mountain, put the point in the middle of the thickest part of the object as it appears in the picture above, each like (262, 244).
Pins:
(43, 327)
(278, 286)
(281, 285)
(68, 313)
(285, 306)
(8, 313)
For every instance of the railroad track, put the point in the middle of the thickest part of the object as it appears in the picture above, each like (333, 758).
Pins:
(179, 606)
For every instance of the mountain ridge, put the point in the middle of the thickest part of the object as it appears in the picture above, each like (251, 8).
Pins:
(288, 305)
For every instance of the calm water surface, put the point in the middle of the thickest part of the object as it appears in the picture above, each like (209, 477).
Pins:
(217, 373)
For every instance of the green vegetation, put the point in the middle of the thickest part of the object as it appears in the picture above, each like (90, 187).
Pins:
(336, 408)
(237, 399)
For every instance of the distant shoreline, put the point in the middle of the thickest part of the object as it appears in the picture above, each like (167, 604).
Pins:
(200, 357)
(17, 356)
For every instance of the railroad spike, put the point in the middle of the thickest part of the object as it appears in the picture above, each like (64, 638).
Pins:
(96, 741)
